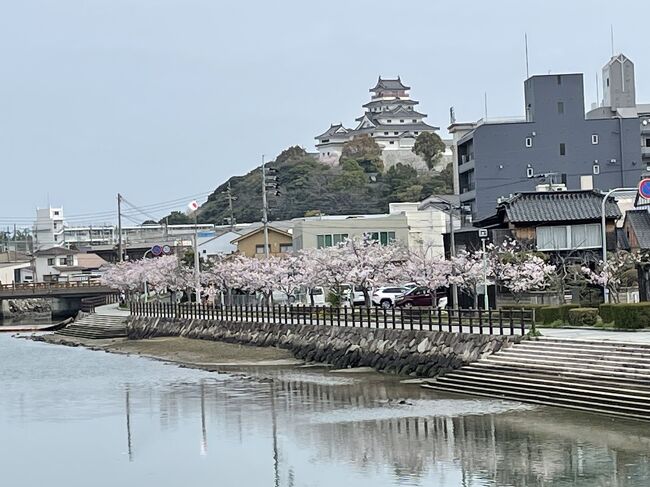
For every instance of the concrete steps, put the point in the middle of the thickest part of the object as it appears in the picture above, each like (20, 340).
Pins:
(96, 327)
(605, 378)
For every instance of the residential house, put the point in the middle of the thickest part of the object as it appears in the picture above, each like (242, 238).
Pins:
(251, 243)
(14, 267)
(58, 264)
(567, 222)
(637, 229)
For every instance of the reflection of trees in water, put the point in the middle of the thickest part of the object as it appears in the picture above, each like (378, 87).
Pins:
(519, 448)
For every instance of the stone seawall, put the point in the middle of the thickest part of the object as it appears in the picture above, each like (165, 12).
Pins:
(404, 352)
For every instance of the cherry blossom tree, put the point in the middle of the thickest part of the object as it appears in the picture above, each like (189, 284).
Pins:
(367, 264)
(518, 269)
(613, 274)
(530, 273)
(425, 269)
(469, 271)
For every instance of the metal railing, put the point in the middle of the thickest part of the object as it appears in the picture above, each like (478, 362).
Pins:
(47, 285)
(488, 322)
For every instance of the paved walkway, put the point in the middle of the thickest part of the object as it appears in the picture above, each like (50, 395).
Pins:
(597, 335)
(112, 310)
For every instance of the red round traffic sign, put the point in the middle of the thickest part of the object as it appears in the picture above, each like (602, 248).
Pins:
(644, 188)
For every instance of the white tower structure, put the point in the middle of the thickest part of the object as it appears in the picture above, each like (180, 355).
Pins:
(48, 228)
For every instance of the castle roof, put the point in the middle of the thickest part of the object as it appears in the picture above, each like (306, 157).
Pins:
(391, 101)
(397, 112)
(334, 130)
(389, 85)
(399, 127)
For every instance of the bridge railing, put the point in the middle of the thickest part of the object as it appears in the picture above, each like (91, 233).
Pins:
(490, 322)
(40, 286)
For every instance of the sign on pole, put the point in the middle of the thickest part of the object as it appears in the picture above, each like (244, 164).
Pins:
(156, 250)
(482, 232)
(644, 188)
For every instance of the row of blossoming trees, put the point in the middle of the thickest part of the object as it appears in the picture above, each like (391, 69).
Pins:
(361, 262)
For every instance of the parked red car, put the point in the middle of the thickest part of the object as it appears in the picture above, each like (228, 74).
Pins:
(419, 296)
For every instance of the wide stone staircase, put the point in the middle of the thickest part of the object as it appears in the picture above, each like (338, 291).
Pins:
(609, 378)
(96, 326)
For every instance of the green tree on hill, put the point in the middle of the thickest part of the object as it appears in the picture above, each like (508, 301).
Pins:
(365, 151)
(430, 147)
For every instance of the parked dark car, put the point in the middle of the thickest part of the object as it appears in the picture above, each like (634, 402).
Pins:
(421, 297)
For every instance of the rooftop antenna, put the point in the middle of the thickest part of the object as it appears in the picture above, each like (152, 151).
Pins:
(611, 34)
(526, 46)
(485, 103)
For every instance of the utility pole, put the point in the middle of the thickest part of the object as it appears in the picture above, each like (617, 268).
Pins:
(452, 245)
(120, 257)
(486, 299)
(265, 216)
(197, 261)
(230, 207)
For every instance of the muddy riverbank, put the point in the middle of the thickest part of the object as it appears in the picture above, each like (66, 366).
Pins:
(207, 355)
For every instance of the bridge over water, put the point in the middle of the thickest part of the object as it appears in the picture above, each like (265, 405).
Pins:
(49, 290)
(66, 298)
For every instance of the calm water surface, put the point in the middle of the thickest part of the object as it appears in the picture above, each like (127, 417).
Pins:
(73, 417)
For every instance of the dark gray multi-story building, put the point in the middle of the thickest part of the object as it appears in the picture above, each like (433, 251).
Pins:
(553, 144)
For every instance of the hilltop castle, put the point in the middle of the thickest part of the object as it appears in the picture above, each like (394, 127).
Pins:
(390, 118)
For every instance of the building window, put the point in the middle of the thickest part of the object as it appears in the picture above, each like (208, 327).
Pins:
(529, 141)
(329, 240)
(414, 121)
(324, 141)
(259, 248)
(560, 107)
(594, 139)
(563, 149)
(647, 142)
(63, 261)
(50, 261)
(392, 142)
(56, 238)
(56, 213)
(596, 168)
(565, 237)
(286, 248)
(416, 133)
(385, 133)
(395, 133)
(559, 79)
(389, 121)
(529, 172)
(384, 238)
(401, 121)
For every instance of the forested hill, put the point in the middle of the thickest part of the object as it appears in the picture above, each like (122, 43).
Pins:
(307, 187)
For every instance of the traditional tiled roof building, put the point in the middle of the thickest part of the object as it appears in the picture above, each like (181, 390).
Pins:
(390, 118)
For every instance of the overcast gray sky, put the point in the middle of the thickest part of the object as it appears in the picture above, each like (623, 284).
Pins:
(159, 99)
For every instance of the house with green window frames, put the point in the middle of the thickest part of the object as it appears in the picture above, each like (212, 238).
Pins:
(327, 231)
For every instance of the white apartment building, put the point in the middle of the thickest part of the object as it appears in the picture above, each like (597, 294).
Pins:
(48, 228)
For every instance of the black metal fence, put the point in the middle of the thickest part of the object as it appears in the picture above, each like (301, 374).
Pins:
(492, 322)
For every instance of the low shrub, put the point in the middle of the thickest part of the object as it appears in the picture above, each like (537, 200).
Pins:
(583, 316)
(550, 314)
(628, 316)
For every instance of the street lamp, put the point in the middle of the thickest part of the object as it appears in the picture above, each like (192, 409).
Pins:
(449, 206)
(603, 229)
